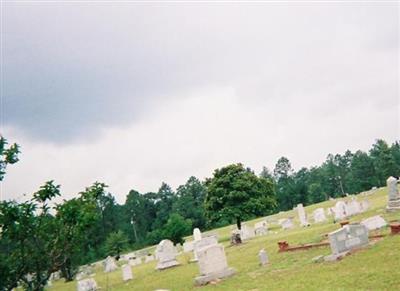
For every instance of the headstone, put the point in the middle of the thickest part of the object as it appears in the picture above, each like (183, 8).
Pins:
(393, 195)
(196, 234)
(319, 215)
(262, 255)
(364, 205)
(235, 237)
(347, 238)
(374, 222)
(287, 223)
(188, 246)
(212, 264)
(166, 255)
(340, 210)
(149, 258)
(55, 276)
(302, 215)
(353, 207)
(261, 228)
(126, 272)
(246, 232)
(204, 242)
(87, 285)
(110, 265)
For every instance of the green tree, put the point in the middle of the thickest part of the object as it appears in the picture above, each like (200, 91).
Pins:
(384, 162)
(285, 184)
(8, 155)
(176, 228)
(116, 242)
(236, 193)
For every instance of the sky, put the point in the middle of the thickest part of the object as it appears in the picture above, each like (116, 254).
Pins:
(136, 94)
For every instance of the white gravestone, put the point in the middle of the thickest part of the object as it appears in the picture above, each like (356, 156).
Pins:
(196, 234)
(393, 195)
(340, 210)
(204, 242)
(319, 215)
(374, 222)
(261, 228)
(126, 273)
(262, 255)
(110, 265)
(302, 215)
(246, 232)
(166, 255)
(347, 238)
(212, 264)
(87, 285)
(188, 246)
(287, 223)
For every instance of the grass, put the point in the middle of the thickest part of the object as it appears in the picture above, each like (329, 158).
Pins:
(374, 268)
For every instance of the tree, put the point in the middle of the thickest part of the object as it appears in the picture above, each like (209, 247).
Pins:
(236, 193)
(116, 242)
(384, 162)
(285, 185)
(7, 155)
(176, 228)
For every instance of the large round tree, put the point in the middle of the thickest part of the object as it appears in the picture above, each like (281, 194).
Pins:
(235, 193)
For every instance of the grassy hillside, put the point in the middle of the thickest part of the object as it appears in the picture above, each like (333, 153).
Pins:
(373, 268)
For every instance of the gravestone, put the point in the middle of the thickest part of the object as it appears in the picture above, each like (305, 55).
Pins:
(87, 285)
(302, 215)
(262, 255)
(319, 215)
(347, 238)
(126, 272)
(188, 246)
(246, 232)
(353, 207)
(261, 228)
(149, 258)
(110, 265)
(212, 264)
(393, 195)
(364, 205)
(287, 223)
(196, 234)
(374, 222)
(235, 237)
(204, 242)
(340, 210)
(166, 255)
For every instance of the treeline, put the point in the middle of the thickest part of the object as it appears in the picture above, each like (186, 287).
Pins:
(93, 225)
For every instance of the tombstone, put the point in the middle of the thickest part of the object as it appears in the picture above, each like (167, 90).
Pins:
(235, 237)
(196, 234)
(393, 195)
(330, 211)
(262, 255)
(87, 285)
(188, 246)
(302, 215)
(340, 210)
(204, 242)
(126, 272)
(374, 222)
(246, 232)
(110, 265)
(261, 228)
(166, 255)
(347, 238)
(138, 261)
(212, 264)
(364, 205)
(149, 258)
(287, 223)
(319, 215)
(55, 276)
(353, 207)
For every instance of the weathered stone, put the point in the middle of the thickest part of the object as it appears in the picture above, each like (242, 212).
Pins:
(87, 285)
(319, 215)
(261, 228)
(246, 232)
(393, 195)
(262, 255)
(126, 273)
(287, 223)
(374, 222)
(204, 242)
(110, 265)
(340, 210)
(196, 234)
(166, 255)
(302, 215)
(188, 246)
(149, 258)
(212, 264)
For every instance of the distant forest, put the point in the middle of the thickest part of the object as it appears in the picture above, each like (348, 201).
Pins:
(93, 225)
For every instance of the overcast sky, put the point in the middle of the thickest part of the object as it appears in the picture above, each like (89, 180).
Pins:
(133, 94)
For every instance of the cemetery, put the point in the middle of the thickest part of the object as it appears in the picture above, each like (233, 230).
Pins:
(277, 251)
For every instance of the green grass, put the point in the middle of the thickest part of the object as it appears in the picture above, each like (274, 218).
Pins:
(374, 268)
